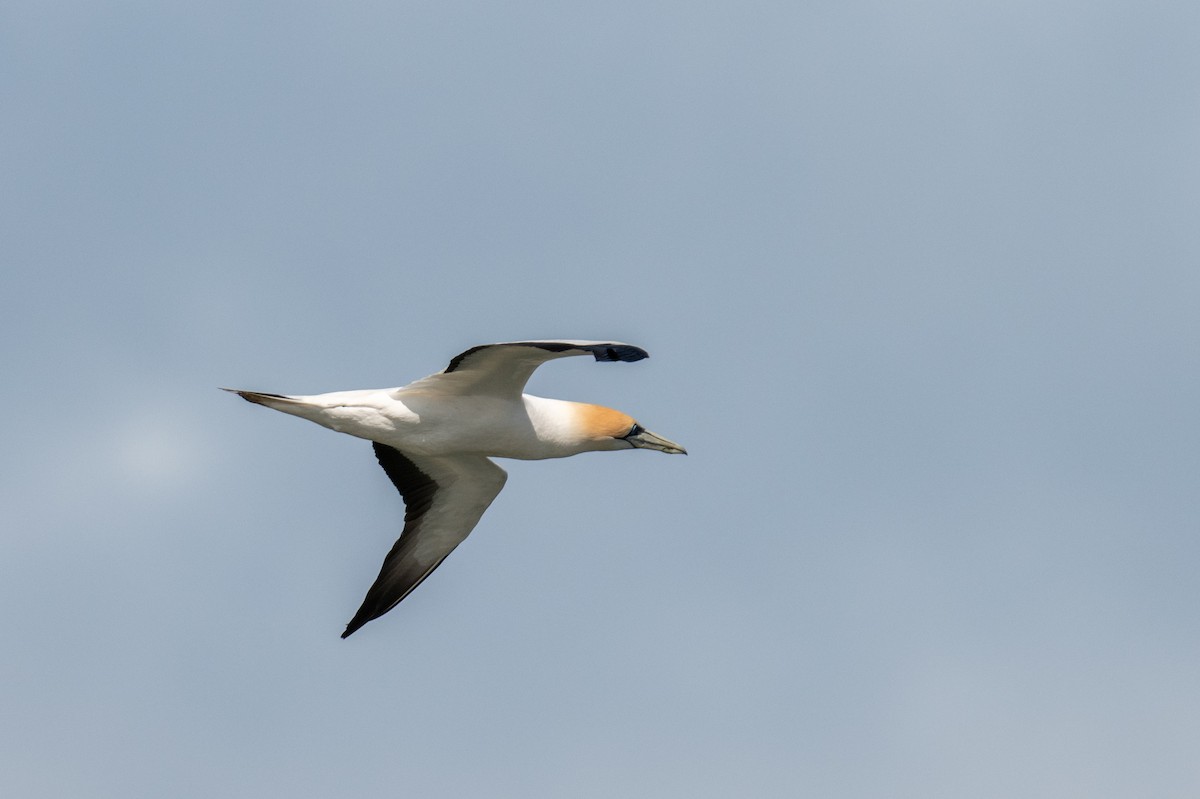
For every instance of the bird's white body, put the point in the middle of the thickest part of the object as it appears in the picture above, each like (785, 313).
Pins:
(434, 438)
(421, 421)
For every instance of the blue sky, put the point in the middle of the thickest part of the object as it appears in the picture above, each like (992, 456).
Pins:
(919, 283)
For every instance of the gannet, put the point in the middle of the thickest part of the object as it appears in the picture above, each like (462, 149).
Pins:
(435, 439)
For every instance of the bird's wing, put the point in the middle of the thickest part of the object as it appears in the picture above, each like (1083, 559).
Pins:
(444, 498)
(504, 369)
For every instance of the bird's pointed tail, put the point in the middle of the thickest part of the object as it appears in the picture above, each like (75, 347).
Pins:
(261, 398)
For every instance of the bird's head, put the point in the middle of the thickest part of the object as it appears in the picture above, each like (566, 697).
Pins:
(609, 429)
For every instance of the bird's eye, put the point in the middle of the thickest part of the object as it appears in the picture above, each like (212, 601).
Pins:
(633, 431)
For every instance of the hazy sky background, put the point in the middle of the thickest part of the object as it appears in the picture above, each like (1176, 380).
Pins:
(920, 286)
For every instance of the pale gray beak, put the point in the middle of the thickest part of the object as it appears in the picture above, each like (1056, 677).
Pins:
(644, 439)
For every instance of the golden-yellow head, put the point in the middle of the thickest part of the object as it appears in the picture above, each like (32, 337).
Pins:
(612, 429)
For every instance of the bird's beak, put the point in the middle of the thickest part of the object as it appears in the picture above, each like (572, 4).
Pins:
(647, 440)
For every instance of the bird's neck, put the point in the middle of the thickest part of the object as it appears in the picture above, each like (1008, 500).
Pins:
(566, 428)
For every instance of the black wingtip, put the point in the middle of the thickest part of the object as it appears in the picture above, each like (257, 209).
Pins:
(355, 624)
(626, 353)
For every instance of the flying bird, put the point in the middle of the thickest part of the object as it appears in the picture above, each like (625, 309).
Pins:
(435, 439)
